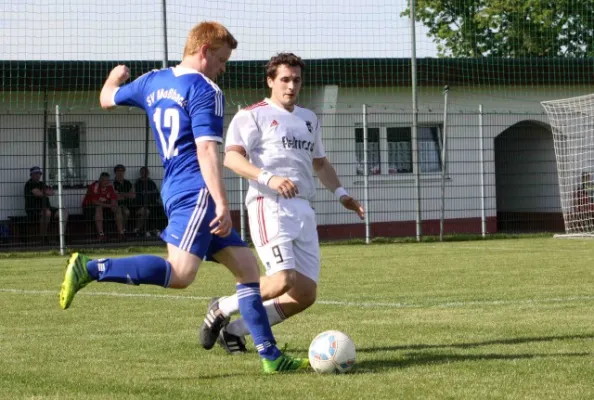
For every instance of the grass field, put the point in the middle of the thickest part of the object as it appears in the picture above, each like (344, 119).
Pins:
(499, 319)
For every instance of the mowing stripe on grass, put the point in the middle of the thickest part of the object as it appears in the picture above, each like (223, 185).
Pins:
(364, 304)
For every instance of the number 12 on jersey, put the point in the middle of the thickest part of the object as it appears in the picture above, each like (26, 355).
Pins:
(169, 120)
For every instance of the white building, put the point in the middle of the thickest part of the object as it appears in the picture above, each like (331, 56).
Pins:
(515, 188)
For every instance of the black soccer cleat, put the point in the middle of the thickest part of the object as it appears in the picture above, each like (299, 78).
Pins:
(212, 325)
(231, 343)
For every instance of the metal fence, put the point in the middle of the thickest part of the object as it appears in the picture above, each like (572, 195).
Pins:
(473, 173)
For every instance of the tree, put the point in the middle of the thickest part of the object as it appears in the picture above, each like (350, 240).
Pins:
(509, 28)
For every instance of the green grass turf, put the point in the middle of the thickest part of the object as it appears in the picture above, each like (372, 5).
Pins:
(497, 319)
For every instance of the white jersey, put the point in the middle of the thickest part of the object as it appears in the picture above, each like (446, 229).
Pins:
(279, 141)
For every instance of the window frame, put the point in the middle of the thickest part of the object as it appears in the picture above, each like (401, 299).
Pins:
(359, 163)
(384, 152)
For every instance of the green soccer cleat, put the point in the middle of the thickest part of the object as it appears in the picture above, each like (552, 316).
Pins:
(284, 363)
(75, 278)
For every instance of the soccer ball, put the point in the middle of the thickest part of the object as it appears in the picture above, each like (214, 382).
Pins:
(332, 352)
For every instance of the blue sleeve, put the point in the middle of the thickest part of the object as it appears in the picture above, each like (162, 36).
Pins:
(132, 94)
(206, 108)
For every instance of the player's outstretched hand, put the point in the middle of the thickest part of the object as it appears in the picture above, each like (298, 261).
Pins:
(283, 186)
(119, 75)
(351, 204)
(221, 225)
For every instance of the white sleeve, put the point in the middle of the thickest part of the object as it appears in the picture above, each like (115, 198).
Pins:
(319, 151)
(243, 131)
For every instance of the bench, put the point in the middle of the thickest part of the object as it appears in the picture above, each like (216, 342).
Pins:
(78, 229)
(24, 230)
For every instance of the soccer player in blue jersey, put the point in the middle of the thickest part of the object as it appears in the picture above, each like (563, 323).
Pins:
(185, 109)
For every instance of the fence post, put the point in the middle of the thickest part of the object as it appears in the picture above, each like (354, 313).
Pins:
(366, 175)
(165, 47)
(482, 172)
(414, 136)
(241, 202)
(443, 162)
(60, 199)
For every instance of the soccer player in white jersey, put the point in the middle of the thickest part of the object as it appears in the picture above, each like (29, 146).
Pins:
(277, 145)
(185, 109)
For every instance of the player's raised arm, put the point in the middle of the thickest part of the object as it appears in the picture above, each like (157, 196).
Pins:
(116, 78)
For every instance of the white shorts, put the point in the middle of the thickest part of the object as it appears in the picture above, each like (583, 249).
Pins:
(285, 234)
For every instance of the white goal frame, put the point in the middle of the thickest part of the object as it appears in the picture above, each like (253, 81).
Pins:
(572, 125)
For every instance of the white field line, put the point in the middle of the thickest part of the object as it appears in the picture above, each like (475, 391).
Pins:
(364, 304)
(484, 247)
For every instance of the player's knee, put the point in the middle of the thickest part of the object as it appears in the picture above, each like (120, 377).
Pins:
(181, 278)
(308, 299)
(304, 296)
(183, 269)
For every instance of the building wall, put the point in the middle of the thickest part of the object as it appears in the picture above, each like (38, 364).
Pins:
(118, 137)
(393, 196)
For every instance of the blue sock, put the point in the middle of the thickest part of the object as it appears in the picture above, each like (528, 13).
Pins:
(255, 317)
(150, 270)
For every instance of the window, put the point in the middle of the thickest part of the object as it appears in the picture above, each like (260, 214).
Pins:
(373, 151)
(72, 156)
(429, 149)
(399, 150)
(395, 144)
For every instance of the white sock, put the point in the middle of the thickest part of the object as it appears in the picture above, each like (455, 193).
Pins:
(275, 316)
(229, 305)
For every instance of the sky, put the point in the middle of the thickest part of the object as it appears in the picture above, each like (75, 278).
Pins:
(133, 29)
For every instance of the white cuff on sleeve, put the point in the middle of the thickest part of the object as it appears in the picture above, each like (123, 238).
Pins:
(264, 177)
(339, 192)
(113, 102)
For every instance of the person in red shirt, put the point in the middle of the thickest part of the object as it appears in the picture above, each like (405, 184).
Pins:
(101, 198)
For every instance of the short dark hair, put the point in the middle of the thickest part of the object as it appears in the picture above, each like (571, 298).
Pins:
(288, 59)
(119, 166)
(104, 174)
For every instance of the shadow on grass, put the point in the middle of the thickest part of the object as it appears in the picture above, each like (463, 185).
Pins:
(414, 359)
(511, 341)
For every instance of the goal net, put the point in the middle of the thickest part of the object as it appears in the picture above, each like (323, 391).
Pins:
(572, 123)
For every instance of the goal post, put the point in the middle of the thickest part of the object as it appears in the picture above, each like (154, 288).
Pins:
(572, 125)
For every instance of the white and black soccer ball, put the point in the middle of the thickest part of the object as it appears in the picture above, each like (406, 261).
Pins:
(332, 352)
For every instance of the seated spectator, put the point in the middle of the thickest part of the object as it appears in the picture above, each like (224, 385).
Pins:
(148, 200)
(124, 190)
(37, 203)
(126, 196)
(101, 198)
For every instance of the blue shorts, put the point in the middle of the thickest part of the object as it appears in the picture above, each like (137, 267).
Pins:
(189, 214)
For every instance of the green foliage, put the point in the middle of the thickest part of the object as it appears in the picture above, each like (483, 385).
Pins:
(509, 28)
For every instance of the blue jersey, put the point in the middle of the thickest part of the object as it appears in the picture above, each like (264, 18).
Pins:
(183, 106)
